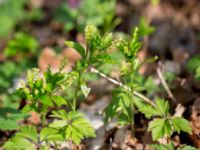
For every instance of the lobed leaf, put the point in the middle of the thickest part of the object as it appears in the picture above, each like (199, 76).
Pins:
(29, 133)
(160, 128)
(181, 124)
(75, 126)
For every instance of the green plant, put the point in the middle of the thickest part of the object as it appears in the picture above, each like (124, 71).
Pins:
(28, 137)
(193, 66)
(9, 117)
(144, 28)
(44, 93)
(164, 124)
(97, 12)
(124, 103)
(9, 19)
(9, 102)
(21, 44)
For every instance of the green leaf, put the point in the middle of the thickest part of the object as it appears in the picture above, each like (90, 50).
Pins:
(160, 128)
(85, 90)
(8, 124)
(75, 126)
(193, 63)
(103, 58)
(146, 109)
(23, 139)
(187, 147)
(194, 67)
(163, 146)
(79, 128)
(144, 28)
(134, 44)
(9, 118)
(119, 108)
(162, 106)
(181, 124)
(28, 108)
(53, 80)
(77, 47)
(18, 143)
(18, 13)
(22, 44)
(59, 100)
(28, 132)
(197, 74)
(58, 124)
(50, 134)
(46, 100)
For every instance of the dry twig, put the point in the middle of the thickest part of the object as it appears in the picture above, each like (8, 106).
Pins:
(122, 85)
(160, 75)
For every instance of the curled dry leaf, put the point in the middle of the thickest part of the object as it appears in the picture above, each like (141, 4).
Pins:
(49, 57)
(34, 118)
(71, 55)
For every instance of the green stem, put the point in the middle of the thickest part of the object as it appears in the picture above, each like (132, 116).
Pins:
(43, 119)
(43, 116)
(56, 146)
(132, 77)
(74, 102)
(132, 119)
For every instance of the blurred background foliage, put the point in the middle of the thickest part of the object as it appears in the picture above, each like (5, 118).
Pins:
(32, 34)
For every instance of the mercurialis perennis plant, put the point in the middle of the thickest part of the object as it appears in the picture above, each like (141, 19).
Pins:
(44, 94)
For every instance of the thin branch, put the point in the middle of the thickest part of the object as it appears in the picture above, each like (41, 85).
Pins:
(122, 85)
(180, 109)
(160, 75)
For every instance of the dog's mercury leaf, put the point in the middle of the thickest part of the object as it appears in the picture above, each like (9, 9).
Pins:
(74, 125)
(160, 128)
(181, 124)
(50, 134)
(18, 143)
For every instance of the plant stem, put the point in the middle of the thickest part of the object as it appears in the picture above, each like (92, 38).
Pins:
(76, 92)
(132, 119)
(43, 112)
(122, 85)
(56, 146)
(43, 119)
